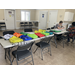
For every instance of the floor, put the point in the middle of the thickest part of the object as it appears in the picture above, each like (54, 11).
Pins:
(60, 55)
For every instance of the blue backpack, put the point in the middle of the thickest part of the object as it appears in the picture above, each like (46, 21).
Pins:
(49, 32)
(25, 37)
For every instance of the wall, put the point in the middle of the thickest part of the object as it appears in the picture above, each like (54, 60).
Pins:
(35, 14)
(2, 14)
(60, 16)
(18, 16)
(18, 13)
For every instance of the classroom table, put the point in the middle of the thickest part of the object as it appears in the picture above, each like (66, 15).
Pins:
(58, 33)
(7, 45)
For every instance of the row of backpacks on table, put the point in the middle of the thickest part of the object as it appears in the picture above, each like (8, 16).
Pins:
(19, 37)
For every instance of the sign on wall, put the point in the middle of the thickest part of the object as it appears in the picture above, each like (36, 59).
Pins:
(42, 15)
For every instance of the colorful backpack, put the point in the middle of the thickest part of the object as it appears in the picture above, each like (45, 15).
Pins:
(49, 32)
(17, 34)
(39, 31)
(15, 39)
(46, 34)
(32, 36)
(23, 33)
(39, 35)
(25, 37)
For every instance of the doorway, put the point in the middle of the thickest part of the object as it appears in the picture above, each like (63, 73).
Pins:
(10, 19)
(43, 19)
(52, 18)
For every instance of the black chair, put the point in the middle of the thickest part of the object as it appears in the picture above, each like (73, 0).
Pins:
(52, 27)
(2, 24)
(21, 24)
(8, 32)
(1, 37)
(23, 52)
(44, 43)
(30, 24)
(48, 28)
(26, 25)
(65, 36)
(28, 30)
(7, 49)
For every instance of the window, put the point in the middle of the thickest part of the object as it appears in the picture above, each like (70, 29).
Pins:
(25, 16)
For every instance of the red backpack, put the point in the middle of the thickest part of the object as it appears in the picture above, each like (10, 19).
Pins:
(39, 35)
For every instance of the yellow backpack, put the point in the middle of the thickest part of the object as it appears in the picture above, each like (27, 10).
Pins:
(15, 39)
(39, 31)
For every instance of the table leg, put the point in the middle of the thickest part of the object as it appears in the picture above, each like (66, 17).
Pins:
(9, 56)
(5, 53)
(35, 50)
(55, 40)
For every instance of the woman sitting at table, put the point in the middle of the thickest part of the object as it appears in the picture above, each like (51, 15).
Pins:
(59, 26)
(72, 32)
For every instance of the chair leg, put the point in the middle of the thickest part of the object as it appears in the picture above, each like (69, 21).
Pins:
(73, 45)
(63, 43)
(16, 60)
(55, 41)
(9, 57)
(12, 60)
(32, 59)
(41, 54)
(50, 50)
(35, 50)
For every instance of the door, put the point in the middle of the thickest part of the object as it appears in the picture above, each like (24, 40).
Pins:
(52, 18)
(10, 19)
(43, 20)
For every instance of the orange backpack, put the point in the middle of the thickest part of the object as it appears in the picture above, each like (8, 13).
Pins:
(17, 34)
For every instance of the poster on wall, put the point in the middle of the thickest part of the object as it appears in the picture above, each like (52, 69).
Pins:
(42, 15)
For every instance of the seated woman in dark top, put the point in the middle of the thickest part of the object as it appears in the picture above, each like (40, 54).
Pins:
(72, 32)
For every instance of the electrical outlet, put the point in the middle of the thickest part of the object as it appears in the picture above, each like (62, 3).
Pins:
(60, 15)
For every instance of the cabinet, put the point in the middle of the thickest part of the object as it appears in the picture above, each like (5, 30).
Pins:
(68, 16)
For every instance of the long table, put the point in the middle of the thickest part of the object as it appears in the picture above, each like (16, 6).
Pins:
(58, 33)
(7, 45)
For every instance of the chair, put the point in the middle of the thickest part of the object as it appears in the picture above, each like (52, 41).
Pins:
(25, 24)
(8, 32)
(30, 24)
(2, 24)
(28, 30)
(65, 36)
(48, 28)
(21, 24)
(44, 43)
(52, 27)
(23, 52)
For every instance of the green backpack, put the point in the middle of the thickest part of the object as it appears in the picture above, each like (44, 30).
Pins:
(55, 31)
(32, 36)
(23, 33)
(44, 33)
